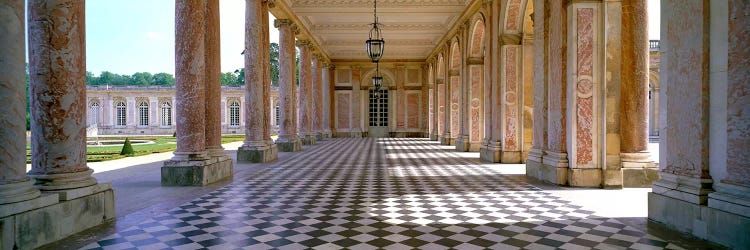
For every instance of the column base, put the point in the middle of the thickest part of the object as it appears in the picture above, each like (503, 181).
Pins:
(490, 152)
(20, 222)
(308, 139)
(61, 181)
(319, 136)
(554, 168)
(196, 172)
(327, 134)
(289, 144)
(462, 143)
(510, 156)
(585, 177)
(258, 154)
(18, 191)
(434, 137)
(534, 164)
(684, 188)
(638, 170)
(705, 222)
(356, 133)
(447, 140)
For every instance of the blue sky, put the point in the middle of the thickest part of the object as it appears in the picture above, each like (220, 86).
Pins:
(128, 36)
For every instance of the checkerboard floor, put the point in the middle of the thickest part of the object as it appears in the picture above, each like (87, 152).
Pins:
(367, 193)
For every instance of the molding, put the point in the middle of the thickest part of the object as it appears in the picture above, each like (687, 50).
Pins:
(382, 3)
(353, 26)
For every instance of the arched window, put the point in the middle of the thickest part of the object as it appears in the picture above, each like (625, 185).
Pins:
(143, 114)
(234, 114)
(94, 113)
(120, 115)
(166, 114)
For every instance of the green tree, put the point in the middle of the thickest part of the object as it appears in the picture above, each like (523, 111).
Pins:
(163, 79)
(228, 79)
(105, 78)
(274, 64)
(141, 78)
(91, 79)
(240, 73)
(127, 148)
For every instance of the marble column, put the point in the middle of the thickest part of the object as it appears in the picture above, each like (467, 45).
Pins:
(317, 98)
(446, 138)
(538, 145)
(636, 164)
(732, 196)
(304, 102)
(257, 146)
(15, 186)
(326, 104)
(288, 140)
(57, 70)
(555, 161)
(191, 164)
(462, 139)
(266, 57)
(356, 122)
(213, 80)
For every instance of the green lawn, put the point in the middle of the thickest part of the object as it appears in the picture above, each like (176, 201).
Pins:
(162, 144)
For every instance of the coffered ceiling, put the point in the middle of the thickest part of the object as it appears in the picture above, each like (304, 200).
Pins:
(411, 28)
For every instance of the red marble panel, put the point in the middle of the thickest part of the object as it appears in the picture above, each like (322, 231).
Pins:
(342, 108)
(477, 39)
(400, 122)
(412, 110)
(513, 14)
(431, 112)
(441, 108)
(738, 101)
(455, 116)
(510, 140)
(584, 86)
(476, 103)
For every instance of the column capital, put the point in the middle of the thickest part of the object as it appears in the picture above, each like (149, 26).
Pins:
(487, 3)
(302, 43)
(280, 23)
(271, 3)
(510, 39)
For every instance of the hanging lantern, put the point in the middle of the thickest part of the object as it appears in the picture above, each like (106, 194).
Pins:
(377, 79)
(375, 45)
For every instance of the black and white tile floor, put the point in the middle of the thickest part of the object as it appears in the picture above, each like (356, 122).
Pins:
(380, 193)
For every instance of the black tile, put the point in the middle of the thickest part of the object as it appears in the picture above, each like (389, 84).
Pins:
(516, 242)
(212, 242)
(584, 242)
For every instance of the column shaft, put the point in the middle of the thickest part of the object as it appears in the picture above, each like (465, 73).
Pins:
(254, 76)
(266, 59)
(15, 186)
(57, 66)
(213, 79)
(305, 94)
(326, 104)
(190, 78)
(634, 86)
(317, 98)
(288, 140)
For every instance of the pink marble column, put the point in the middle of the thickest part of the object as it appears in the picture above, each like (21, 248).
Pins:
(190, 77)
(15, 186)
(288, 140)
(556, 156)
(684, 147)
(634, 85)
(317, 98)
(538, 144)
(305, 93)
(258, 145)
(356, 121)
(254, 75)
(326, 103)
(57, 66)
(266, 57)
(213, 77)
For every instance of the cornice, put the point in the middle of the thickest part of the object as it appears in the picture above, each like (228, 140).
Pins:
(368, 3)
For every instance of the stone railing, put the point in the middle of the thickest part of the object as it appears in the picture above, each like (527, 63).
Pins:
(653, 44)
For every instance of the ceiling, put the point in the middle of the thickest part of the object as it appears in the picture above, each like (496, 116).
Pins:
(411, 28)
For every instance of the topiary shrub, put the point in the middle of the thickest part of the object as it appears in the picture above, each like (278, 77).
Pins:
(127, 148)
